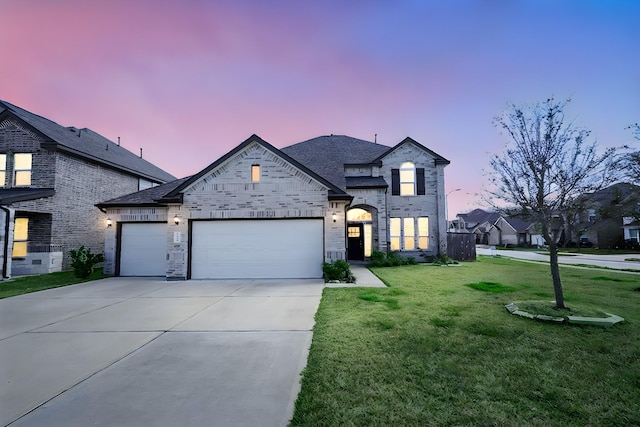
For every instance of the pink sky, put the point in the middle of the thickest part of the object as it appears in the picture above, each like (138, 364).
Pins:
(187, 81)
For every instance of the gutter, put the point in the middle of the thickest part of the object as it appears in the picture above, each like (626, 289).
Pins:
(5, 246)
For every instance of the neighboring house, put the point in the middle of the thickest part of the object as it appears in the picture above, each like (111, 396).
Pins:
(263, 212)
(51, 177)
(602, 221)
(492, 228)
(631, 229)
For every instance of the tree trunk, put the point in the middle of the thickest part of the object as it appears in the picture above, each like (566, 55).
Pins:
(553, 262)
(555, 275)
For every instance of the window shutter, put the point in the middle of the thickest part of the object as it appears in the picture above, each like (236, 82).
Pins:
(420, 181)
(395, 182)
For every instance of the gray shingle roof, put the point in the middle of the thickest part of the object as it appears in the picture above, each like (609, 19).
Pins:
(147, 197)
(88, 144)
(19, 194)
(327, 155)
(366, 182)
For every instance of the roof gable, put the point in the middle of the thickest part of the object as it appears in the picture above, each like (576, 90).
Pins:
(85, 143)
(176, 194)
(438, 159)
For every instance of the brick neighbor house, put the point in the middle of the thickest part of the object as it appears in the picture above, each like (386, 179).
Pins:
(51, 177)
(263, 212)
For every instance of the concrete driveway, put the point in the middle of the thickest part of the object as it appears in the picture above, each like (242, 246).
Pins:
(131, 352)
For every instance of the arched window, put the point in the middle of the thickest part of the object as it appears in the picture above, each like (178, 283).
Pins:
(358, 214)
(407, 179)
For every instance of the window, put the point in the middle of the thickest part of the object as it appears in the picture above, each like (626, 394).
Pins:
(634, 234)
(423, 232)
(22, 169)
(403, 236)
(3, 169)
(358, 214)
(20, 236)
(255, 173)
(407, 179)
(395, 233)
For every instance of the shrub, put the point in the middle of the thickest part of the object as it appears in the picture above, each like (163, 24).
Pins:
(339, 270)
(392, 259)
(83, 261)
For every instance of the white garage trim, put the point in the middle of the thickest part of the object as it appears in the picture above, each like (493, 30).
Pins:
(257, 249)
(143, 249)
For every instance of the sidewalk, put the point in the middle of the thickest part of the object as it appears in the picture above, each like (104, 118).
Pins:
(364, 278)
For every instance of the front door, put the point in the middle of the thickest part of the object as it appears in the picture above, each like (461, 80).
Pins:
(355, 241)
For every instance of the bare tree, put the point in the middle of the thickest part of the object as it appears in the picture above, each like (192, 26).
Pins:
(548, 164)
(632, 159)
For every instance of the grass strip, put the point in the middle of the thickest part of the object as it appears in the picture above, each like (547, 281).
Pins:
(27, 284)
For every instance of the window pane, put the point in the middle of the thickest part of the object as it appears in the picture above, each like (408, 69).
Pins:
(407, 189)
(22, 161)
(19, 249)
(423, 226)
(395, 243)
(3, 177)
(358, 214)
(367, 240)
(3, 162)
(21, 229)
(409, 234)
(23, 177)
(406, 175)
(255, 173)
(394, 227)
(423, 243)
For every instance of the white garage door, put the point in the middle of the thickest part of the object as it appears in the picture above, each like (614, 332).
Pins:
(257, 249)
(143, 249)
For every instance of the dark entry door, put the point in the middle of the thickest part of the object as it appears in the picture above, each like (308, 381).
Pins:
(355, 241)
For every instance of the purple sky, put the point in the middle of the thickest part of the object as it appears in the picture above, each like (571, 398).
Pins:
(189, 80)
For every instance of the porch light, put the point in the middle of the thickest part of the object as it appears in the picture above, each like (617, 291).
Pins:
(176, 219)
(335, 217)
(108, 222)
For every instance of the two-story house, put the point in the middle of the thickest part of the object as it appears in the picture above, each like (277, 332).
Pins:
(263, 212)
(51, 177)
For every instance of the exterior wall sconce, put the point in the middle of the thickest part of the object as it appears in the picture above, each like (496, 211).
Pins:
(176, 219)
(334, 217)
(108, 222)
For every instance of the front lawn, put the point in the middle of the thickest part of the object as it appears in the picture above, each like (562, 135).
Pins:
(431, 351)
(40, 282)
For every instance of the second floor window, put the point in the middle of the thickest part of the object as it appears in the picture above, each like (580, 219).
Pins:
(407, 179)
(3, 169)
(22, 169)
(255, 173)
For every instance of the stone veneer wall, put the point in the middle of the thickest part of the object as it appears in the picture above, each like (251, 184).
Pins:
(228, 193)
(79, 186)
(431, 204)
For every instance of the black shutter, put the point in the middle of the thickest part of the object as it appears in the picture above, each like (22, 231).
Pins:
(420, 181)
(395, 182)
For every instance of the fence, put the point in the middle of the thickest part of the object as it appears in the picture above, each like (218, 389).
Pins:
(461, 246)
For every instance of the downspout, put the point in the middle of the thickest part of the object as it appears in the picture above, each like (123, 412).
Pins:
(5, 247)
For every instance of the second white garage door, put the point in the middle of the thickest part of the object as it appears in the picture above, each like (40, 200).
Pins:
(143, 249)
(257, 249)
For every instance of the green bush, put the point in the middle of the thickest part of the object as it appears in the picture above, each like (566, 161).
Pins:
(83, 261)
(392, 259)
(339, 270)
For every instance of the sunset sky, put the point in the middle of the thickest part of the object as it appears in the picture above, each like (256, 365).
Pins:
(189, 80)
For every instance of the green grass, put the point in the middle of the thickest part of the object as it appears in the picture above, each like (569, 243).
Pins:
(40, 282)
(446, 354)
